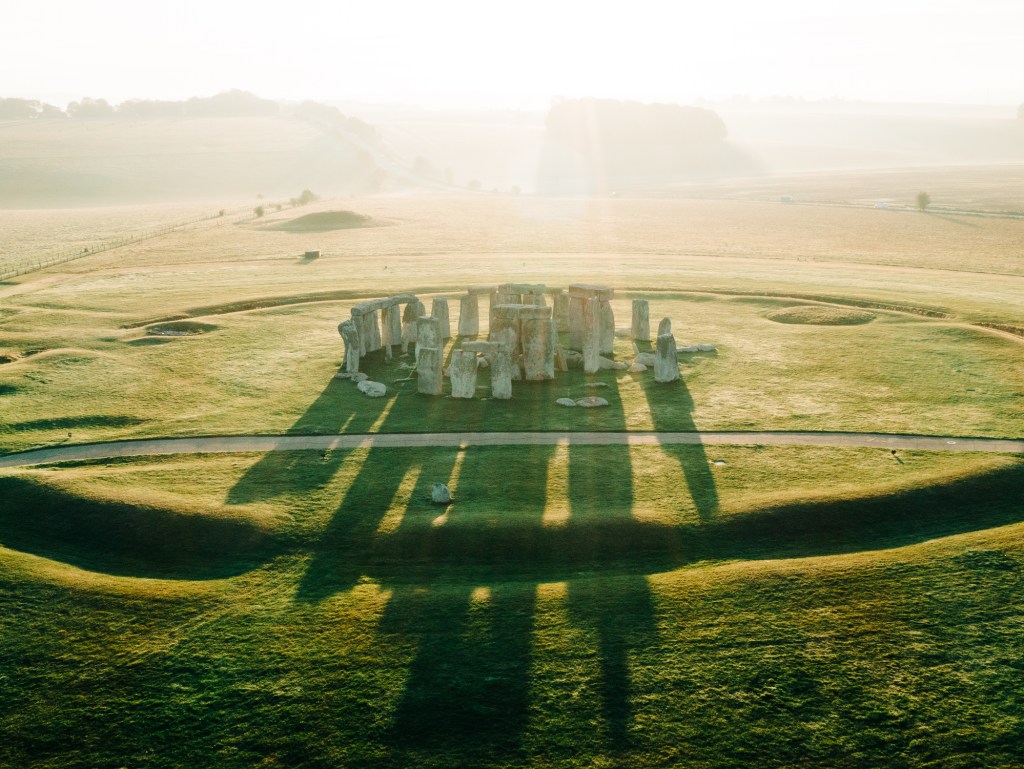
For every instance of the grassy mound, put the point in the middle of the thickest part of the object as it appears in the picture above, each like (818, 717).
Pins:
(130, 539)
(821, 315)
(180, 328)
(324, 221)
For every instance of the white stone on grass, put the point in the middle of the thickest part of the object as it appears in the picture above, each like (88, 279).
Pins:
(591, 401)
(372, 389)
(566, 402)
(441, 494)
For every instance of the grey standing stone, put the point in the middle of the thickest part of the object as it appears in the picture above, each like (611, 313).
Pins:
(441, 494)
(469, 315)
(501, 375)
(641, 328)
(439, 310)
(665, 326)
(538, 349)
(374, 329)
(462, 373)
(353, 349)
(666, 364)
(413, 311)
(428, 334)
(575, 321)
(560, 308)
(391, 330)
(428, 371)
(606, 327)
(591, 337)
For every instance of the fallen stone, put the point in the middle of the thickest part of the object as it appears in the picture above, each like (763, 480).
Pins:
(595, 385)
(645, 359)
(372, 389)
(566, 402)
(591, 401)
(688, 348)
(706, 348)
(358, 377)
(637, 368)
(441, 494)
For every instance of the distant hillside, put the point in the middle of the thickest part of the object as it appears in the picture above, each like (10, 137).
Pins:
(231, 145)
(600, 145)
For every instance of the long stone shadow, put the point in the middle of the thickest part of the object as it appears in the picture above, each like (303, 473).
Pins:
(468, 687)
(467, 692)
(334, 411)
(671, 408)
(617, 612)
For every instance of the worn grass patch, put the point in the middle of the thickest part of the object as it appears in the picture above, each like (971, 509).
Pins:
(821, 315)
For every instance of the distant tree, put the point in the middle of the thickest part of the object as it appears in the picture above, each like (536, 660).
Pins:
(90, 108)
(306, 197)
(923, 200)
(259, 211)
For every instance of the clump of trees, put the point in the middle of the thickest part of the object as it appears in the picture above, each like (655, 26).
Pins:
(923, 200)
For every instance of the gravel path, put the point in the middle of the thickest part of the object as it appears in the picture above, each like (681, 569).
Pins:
(261, 443)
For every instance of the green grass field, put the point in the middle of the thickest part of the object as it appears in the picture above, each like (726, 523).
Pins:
(578, 606)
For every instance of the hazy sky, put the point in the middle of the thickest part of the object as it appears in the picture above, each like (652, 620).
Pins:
(519, 53)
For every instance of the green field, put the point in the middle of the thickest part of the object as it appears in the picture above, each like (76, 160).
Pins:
(697, 606)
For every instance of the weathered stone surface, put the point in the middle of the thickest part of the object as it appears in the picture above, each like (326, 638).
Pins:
(566, 402)
(706, 348)
(561, 359)
(573, 359)
(637, 368)
(412, 313)
(428, 371)
(645, 358)
(358, 377)
(641, 328)
(439, 311)
(482, 346)
(373, 324)
(353, 348)
(665, 326)
(391, 325)
(560, 310)
(538, 349)
(462, 373)
(372, 389)
(591, 291)
(575, 321)
(428, 334)
(688, 348)
(469, 315)
(666, 364)
(591, 401)
(591, 336)
(606, 327)
(501, 375)
(440, 494)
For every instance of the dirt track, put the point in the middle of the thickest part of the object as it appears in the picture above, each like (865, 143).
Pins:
(262, 443)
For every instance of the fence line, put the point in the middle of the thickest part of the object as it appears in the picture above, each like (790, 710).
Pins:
(29, 264)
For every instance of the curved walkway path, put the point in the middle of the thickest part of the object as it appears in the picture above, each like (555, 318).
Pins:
(261, 443)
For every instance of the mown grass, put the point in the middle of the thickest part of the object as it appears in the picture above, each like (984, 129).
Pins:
(536, 622)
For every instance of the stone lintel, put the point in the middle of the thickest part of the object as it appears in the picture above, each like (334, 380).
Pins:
(591, 290)
(521, 288)
(480, 290)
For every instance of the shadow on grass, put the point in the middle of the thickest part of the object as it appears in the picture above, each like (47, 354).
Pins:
(671, 408)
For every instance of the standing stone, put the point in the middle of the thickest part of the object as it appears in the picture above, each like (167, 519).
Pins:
(374, 330)
(462, 373)
(666, 364)
(591, 336)
(429, 356)
(575, 320)
(428, 335)
(560, 307)
(537, 300)
(439, 310)
(413, 311)
(665, 327)
(501, 375)
(641, 320)
(469, 315)
(606, 327)
(350, 335)
(538, 350)
(505, 325)
(391, 327)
